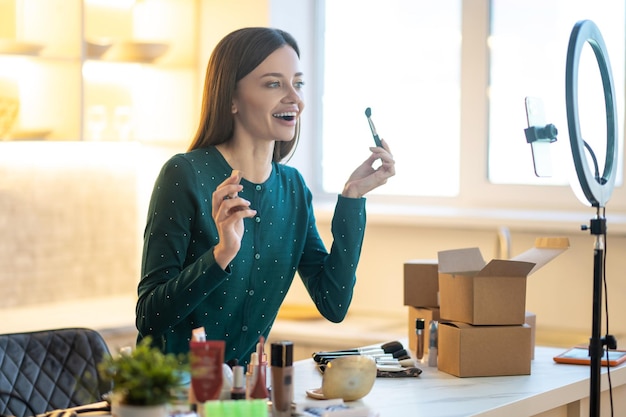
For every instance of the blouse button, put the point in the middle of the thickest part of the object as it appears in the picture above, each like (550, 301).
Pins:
(257, 219)
(244, 328)
(257, 256)
(251, 292)
(258, 187)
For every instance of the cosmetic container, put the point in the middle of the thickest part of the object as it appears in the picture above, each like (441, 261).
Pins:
(206, 359)
(419, 332)
(238, 391)
(282, 378)
(259, 388)
(251, 374)
(432, 343)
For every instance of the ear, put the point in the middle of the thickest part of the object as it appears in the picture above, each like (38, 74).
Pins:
(233, 108)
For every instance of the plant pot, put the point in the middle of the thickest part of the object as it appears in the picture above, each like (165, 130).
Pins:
(123, 410)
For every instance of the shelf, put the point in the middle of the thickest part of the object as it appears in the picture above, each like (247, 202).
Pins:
(140, 85)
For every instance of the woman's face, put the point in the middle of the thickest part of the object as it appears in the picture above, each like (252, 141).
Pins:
(268, 101)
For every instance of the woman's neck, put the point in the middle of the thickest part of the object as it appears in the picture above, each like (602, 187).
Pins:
(253, 160)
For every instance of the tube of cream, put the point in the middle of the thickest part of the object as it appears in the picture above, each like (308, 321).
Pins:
(282, 378)
(206, 360)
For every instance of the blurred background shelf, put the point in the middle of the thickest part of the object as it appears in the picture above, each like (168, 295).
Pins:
(135, 61)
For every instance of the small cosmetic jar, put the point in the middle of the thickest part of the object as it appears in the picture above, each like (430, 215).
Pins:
(350, 377)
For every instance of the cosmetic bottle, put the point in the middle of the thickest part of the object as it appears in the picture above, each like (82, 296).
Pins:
(259, 389)
(432, 343)
(419, 332)
(238, 391)
(282, 378)
(251, 374)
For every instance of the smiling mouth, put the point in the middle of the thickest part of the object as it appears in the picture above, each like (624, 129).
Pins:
(289, 116)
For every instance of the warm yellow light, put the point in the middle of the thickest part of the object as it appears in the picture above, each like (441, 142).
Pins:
(16, 67)
(121, 4)
(121, 73)
(65, 154)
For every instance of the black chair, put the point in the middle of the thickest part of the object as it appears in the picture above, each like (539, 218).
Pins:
(50, 370)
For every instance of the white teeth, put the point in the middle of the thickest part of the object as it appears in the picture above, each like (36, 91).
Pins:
(286, 114)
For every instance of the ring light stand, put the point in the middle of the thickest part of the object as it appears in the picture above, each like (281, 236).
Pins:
(597, 189)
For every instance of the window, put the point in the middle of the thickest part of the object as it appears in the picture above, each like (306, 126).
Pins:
(528, 45)
(402, 59)
(447, 94)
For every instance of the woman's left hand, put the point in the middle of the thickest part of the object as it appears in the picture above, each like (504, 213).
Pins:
(365, 178)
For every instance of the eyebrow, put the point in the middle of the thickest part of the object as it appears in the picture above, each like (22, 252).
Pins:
(280, 75)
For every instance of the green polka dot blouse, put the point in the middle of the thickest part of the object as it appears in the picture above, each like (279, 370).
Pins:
(182, 287)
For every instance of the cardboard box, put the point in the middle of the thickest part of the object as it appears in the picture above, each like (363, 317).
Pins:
(426, 313)
(421, 283)
(468, 351)
(531, 321)
(473, 292)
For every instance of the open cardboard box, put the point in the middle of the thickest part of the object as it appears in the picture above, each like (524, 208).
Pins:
(473, 292)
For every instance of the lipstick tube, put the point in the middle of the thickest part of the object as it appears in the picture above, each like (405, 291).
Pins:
(282, 378)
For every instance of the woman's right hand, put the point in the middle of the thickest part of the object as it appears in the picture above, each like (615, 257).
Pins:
(229, 210)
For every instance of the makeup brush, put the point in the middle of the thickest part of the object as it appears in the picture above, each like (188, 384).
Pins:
(368, 114)
(318, 357)
(356, 351)
(391, 347)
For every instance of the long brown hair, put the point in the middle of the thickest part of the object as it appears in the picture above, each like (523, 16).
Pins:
(234, 57)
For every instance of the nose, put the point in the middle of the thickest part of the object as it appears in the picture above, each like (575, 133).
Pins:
(293, 95)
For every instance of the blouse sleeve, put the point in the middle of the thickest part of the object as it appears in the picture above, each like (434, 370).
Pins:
(330, 277)
(169, 290)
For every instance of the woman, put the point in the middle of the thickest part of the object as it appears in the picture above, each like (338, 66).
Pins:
(229, 226)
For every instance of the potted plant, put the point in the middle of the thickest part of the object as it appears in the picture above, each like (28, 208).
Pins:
(144, 380)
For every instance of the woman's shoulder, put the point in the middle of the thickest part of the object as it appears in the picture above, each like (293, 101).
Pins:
(204, 157)
(202, 163)
(200, 155)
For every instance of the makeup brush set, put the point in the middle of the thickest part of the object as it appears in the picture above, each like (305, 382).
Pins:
(392, 359)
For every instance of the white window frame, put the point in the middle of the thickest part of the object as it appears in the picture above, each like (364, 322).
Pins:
(480, 203)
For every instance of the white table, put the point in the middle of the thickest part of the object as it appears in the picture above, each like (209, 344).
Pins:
(552, 390)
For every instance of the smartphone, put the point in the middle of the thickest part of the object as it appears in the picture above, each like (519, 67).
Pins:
(368, 114)
(535, 115)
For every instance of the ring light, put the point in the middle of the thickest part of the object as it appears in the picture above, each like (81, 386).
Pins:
(596, 190)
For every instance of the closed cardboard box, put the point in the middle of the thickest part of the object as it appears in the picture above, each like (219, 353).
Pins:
(426, 313)
(473, 292)
(469, 351)
(531, 321)
(421, 283)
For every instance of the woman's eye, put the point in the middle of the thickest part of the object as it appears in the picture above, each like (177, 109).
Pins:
(274, 84)
(299, 84)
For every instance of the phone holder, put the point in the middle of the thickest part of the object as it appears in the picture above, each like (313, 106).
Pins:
(546, 133)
